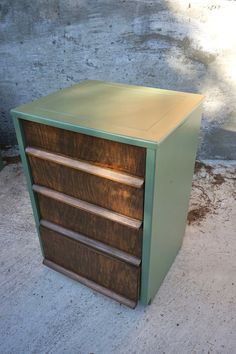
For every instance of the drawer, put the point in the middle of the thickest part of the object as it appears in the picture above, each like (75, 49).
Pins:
(118, 277)
(102, 152)
(109, 228)
(121, 197)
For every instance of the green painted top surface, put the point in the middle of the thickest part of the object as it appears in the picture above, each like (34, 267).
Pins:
(135, 112)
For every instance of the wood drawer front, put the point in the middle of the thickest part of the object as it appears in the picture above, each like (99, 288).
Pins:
(127, 239)
(121, 198)
(109, 272)
(102, 152)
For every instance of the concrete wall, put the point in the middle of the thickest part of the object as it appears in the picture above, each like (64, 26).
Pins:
(181, 45)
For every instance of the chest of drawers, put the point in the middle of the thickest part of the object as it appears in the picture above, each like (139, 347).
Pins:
(109, 170)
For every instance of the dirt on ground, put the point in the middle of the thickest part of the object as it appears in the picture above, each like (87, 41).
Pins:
(11, 159)
(206, 192)
(10, 154)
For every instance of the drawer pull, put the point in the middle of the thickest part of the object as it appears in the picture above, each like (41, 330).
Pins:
(98, 246)
(107, 173)
(91, 208)
(91, 284)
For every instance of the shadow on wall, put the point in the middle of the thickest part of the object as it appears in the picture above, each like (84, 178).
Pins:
(196, 54)
(173, 45)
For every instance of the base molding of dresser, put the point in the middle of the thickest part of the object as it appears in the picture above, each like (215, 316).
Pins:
(90, 284)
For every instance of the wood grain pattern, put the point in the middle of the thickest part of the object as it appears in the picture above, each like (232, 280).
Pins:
(109, 272)
(98, 246)
(90, 284)
(119, 177)
(88, 207)
(102, 152)
(98, 227)
(108, 194)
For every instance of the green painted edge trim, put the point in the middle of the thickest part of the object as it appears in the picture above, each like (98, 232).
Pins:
(147, 224)
(27, 171)
(85, 130)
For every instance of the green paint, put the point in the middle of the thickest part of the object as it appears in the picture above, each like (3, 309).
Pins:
(170, 157)
(174, 167)
(27, 171)
(147, 223)
(137, 115)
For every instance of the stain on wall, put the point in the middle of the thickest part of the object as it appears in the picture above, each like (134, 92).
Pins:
(179, 45)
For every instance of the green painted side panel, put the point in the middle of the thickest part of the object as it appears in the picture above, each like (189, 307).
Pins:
(147, 222)
(175, 159)
(26, 167)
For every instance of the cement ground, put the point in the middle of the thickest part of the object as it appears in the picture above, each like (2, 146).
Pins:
(194, 311)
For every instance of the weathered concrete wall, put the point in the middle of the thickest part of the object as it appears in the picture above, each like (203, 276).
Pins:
(180, 45)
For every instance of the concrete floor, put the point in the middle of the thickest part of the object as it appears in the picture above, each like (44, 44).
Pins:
(194, 312)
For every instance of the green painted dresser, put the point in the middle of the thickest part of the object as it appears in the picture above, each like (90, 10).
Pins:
(109, 170)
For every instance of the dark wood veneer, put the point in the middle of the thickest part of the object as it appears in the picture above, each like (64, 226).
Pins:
(102, 152)
(98, 246)
(112, 195)
(91, 284)
(86, 167)
(90, 193)
(107, 271)
(87, 207)
(96, 226)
